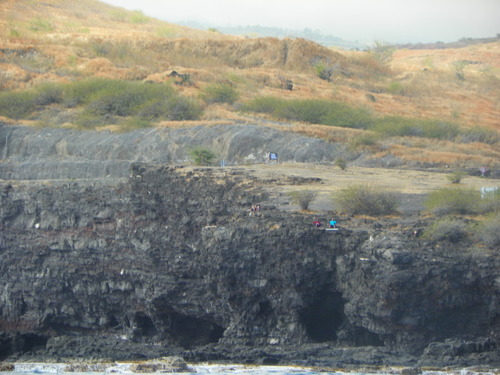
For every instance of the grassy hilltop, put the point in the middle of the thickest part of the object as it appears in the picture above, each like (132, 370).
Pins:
(85, 64)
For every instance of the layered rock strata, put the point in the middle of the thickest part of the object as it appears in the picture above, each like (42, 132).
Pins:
(171, 261)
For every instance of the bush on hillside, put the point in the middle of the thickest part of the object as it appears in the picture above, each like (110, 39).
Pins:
(349, 117)
(82, 92)
(48, 93)
(183, 109)
(123, 98)
(456, 177)
(325, 71)
(315, 111)
(394, 126)
(479, 134)
(303, 198)
(458, 201)
(308, 110)
(173, 109)
(219, 93)
(447, 230)
(263, 104)
(367, 200)
(17, 105)
(341, 163)
(104, 102)
(202, 156)
(489, 231)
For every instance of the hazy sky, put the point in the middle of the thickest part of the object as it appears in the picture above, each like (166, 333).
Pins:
(389, 21)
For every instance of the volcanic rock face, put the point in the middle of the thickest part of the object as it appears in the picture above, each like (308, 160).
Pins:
(170, 261)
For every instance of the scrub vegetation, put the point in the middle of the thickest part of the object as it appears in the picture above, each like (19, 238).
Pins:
(366, 200)
(98, 102)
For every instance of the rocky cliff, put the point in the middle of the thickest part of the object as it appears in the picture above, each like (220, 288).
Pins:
(170, 261)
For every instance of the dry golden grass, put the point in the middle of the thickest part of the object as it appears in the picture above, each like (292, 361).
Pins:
(472, 157)
(330, 133)
(64, 40)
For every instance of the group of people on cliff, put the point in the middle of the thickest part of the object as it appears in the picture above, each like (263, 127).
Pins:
(331, 224)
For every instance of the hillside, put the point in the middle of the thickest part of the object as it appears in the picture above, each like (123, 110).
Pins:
(64, 42)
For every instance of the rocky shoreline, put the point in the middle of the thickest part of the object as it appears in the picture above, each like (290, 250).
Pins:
(178, 365)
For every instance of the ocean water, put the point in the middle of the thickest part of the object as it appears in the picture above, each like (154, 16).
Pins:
(211, 369)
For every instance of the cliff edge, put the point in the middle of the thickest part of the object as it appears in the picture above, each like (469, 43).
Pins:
(171, 261)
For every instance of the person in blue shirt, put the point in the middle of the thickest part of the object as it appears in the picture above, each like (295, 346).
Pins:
(333, 223)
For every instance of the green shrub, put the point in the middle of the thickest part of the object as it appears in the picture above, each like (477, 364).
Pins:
(325, 71)
(363, 199)
(447, 230)
(456, 177)
(308, 110)
(182, 109)
(219, 93)
(303, 198)
(81, 92)
(17, 105)
(341, 163)
(111, 98)
(448, 201)
(315, 111)
(349, 117)
(202, 156)
(123, 98)
(479, 134)
(104, 102)
(263, 104)
(396, 88)
(48, 93)
(401, 127)
(121, 103)
(489, 231)
(176, 108)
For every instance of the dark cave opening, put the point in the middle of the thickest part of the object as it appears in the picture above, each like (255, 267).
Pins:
(185, 330)
(23, 343)
(265, 309)
(189, 331)
(112, 322)
(144, 326)
(33, 342)
(323, 316)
